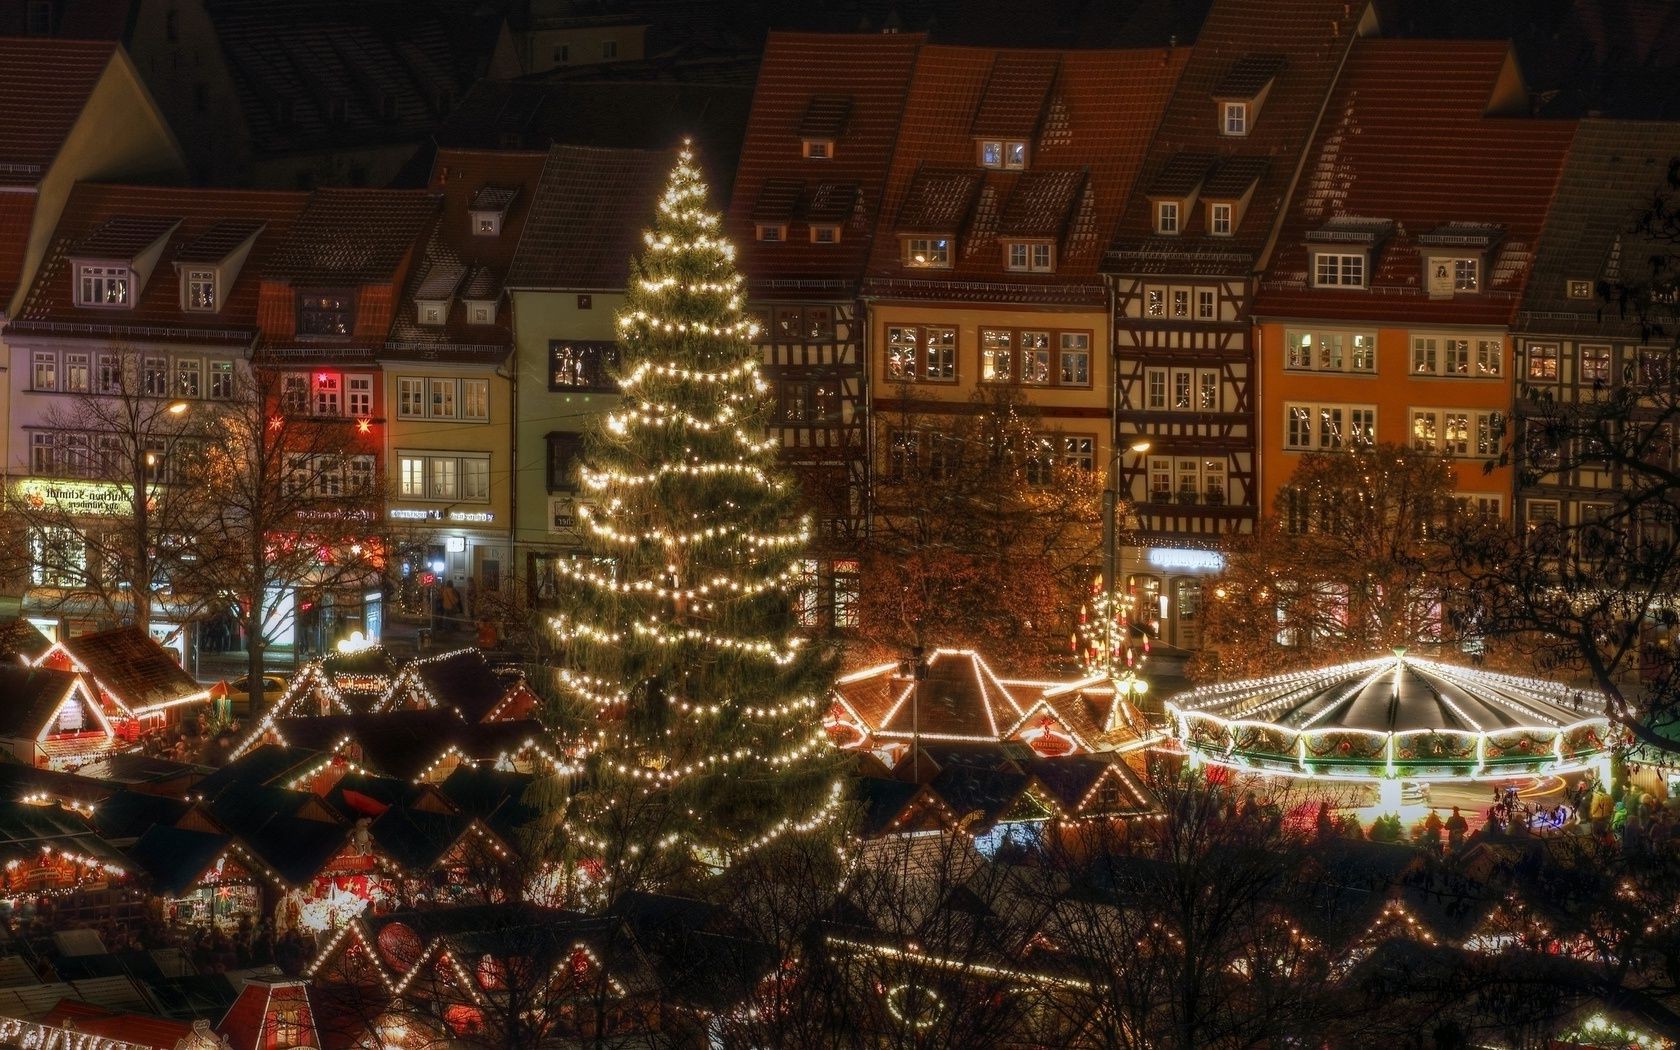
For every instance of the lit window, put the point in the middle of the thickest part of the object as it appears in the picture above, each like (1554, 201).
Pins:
(1595, 364)
(360, 395)
(1330, 351)
(825, 235)
(1466, 275)
(1332, 270)
(1166, 216)
(475, 399)
(991, 154)
(772, 231)
(45, 374)
(921, 354)
(442, 399)
(819, 149)
(1030, 256)
(102, 286)
(928, 252)
(189, 377)
(433, 311)
(154, 377)
(1543, 363)
(201, 290)
(1236, 118)
(77, 373)
(221, 380)
(1219, 219)
(1325, 428)
(328, 400)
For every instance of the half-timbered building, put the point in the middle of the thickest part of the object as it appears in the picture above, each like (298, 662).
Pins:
(825, 116)
(1398, 271)
(1196, 232)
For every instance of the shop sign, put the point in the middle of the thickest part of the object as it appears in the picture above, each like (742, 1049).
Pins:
(475, 517)
(76, 498)
(1179, 559)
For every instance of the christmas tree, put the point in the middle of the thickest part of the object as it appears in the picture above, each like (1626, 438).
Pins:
(677, 630)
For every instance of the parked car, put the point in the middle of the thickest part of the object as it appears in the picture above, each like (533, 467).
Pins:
(239, 693)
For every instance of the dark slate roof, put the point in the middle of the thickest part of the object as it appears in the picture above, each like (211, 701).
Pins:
(1233, 177)
(318, 74)
(124, 236)
(1183, 172)
(133, 666)
(174, 858)
(1312, 37)
(588, 217)
(19, 637)
(829, 202)
(1248, 75)
(798, 70)
(263, 765)
(1365, 162)
(463, 681)
(1042, 203)
(939, 200)
(1613, 171)
(388, 791)
(493, 198)
(1016, 95)
(1101, 109)
(353, 236)
(777, 199)
(209, 219)
(44, 84)
(415, 838)
(128, 814)
(485, 792)
(825, 117)
(32, 695)
(881, 800)
(295, 848)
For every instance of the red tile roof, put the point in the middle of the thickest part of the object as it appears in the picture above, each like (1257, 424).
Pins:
(44, 84)
(1099, 111)
(802, 74)
(354, 236)
(203, 220)
(17, 215)
(586, 223)
(138, 1029)
(1238, 41)
(1405, 141)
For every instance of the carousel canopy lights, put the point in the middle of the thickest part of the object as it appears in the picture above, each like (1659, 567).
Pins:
(1395, 717)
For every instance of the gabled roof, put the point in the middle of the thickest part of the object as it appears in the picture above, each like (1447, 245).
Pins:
(798, 96)
(1087, 117)
(32, 695)
(44, 83)
(586, 222)
(174, 858)
(208, 219)
(1613, 171)
(1309, 38)
(462, 681)
(1248, 76)
(132, 665)
(353, 236)
(20, 638)
(1366, 162)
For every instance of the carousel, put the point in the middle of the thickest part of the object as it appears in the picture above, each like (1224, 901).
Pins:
(1393, 720)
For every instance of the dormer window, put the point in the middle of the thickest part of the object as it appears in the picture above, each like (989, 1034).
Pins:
(769, 231)
(1003, 153)
(1453, 275)
(927, 252)
(1219, 218)
(488, 209)
(481, 311)
(1234, 118)
(201, 291)
(101, 285)
(1576, 289)
(1338, 270)
(486, 224)
(827, 234)
(1030, 256)
(1166, 217)
(432, 311)
(819, 149)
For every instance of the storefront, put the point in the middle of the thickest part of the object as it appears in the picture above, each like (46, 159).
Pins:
(1164, 586)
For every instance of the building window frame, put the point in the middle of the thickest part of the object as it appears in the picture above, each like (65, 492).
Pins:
(1327, 426)
(106, 286)
(927, 253)
(920, 353)
(1338, 269)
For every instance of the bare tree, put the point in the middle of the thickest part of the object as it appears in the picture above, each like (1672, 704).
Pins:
(112, 511)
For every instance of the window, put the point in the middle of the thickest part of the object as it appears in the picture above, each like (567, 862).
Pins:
(411, 398)
(1219, 219)
(475, 399)
(1458, 431)
(326, 313)
(1034, 357)
(1595, 364)
(442, 402)
(411, 476)
(77, 373)
(1003, 153)
(1079, 452)
(563, 54)
(609, 49)
(1155, 388)
(360, 395)
(58, 557)
(481, 313)
(1075, 359)
(328, 395)
(1187, 479)
(1483, 505)
(102, 285)
(1334, 270)
(43, 454)
(1207, 308)
(1155, 302)
(294, 394)
(1235, 118)
(44, 375)
(189, 377)
(1183, 389)
(927, 252)
(809, 401)
(201, 290)
(1315, 428)
(221, 380)
(769, 231)
(443, 475)
(997, 355)
(564, 447)
(1029, 256)
(1466, 275)
(486, 223)
(818, 149)
(1166, 216)
(581, 366)
(359, 473)
(1542, 362)
(475, 479)
(1330, 351)
(154, 377)
(1457, 358)
(110, 374)
(825, 234)
(1578, 289)
(432, 311)
(1655, 367)
(1181, 302)
(923, 353)
(40, 22)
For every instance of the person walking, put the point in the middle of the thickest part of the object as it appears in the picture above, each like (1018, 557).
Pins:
(449, 603)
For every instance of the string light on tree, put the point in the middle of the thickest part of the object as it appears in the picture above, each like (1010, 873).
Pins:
(677, 628)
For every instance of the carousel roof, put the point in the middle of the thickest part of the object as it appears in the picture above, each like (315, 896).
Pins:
(1394, 694)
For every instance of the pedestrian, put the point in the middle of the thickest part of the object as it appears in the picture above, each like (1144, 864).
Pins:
(449, 602)
(1456, 826)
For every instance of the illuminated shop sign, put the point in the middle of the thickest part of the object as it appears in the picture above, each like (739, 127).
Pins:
(78, 498)
(1179, 559)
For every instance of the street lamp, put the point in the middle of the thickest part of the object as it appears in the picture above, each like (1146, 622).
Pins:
(178, 408)
(1111, 545)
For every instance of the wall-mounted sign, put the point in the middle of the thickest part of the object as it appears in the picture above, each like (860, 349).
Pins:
(78, 498)
(563, 515)
(410, 514)
(477, 517)
(1180, 559)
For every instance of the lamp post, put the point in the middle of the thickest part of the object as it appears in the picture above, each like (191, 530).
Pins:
(1111, 547)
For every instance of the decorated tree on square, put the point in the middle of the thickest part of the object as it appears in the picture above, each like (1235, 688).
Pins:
(679, 641)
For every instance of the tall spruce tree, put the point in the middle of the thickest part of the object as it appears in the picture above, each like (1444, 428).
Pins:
(677, 633)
